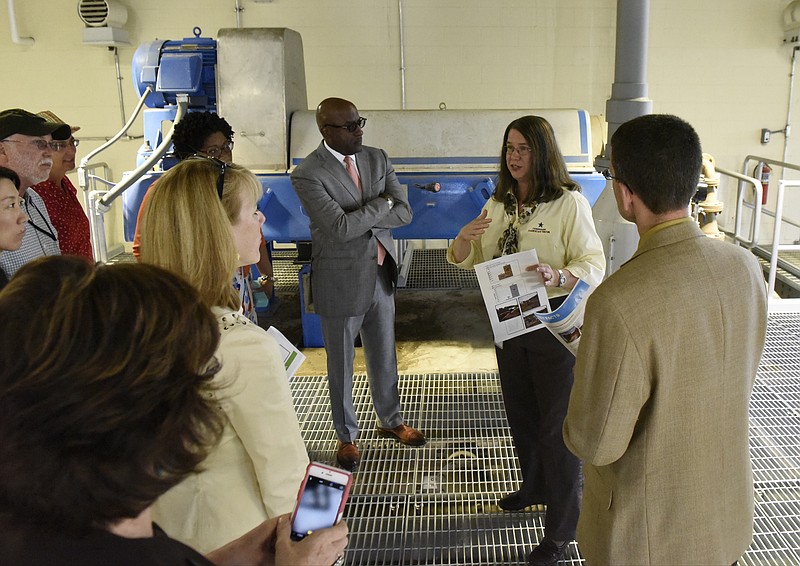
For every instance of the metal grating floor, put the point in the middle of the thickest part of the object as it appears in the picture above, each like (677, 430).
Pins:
(787, 275)
(436, 505)
(285, 270)
(429, 270)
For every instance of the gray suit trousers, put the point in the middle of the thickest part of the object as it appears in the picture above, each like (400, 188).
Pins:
(376, 327)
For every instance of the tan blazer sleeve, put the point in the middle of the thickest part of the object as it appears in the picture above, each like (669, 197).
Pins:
(611, 387)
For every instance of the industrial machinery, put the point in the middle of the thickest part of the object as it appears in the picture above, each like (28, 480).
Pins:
(255, 79)
(448, 159)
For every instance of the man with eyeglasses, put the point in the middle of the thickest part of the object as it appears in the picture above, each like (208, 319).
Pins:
(26, 142)
(353, 198)
(61, 197)
(669, 350)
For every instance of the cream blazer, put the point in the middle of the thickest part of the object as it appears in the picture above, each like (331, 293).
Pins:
(256, 470)
(659, 408)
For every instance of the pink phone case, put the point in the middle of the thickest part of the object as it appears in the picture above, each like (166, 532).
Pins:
(345, 492)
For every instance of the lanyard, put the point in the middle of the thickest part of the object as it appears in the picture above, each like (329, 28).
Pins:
(48, 231)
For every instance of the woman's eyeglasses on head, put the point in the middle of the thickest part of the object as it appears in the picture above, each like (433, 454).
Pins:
(222, 167)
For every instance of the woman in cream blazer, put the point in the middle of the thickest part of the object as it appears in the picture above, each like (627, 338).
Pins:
(201, 220)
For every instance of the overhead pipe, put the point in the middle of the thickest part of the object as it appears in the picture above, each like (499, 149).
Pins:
(85, 161)
(100, 201)
(629, 91)
(628, 100)
(104, 204)
(119, 86)
(12, 20)
(238, 9)
(402, 56)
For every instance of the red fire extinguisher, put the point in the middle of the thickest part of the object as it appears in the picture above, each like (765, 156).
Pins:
(762, 173)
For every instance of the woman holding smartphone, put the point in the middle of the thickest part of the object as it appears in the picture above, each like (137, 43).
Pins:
(201, 221)
(107, 402)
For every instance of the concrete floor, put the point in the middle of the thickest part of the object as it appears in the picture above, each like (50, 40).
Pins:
(436, 331)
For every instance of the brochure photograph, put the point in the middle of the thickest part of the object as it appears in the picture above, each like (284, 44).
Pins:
(512, 295)
(516, 301)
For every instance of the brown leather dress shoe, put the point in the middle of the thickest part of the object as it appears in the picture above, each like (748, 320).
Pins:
(348, 456)
(405, 434)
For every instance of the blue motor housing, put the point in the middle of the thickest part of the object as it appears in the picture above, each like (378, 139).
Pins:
(172, 67)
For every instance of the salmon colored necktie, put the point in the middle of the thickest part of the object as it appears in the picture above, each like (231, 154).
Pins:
(351, 170)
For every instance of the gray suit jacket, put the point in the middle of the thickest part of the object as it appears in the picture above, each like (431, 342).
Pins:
(346, 226)
(659, 408)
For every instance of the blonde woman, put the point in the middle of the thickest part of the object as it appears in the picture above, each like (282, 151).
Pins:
(201, 221)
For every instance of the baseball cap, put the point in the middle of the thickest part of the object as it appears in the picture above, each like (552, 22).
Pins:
(19, 121)
(51, 117)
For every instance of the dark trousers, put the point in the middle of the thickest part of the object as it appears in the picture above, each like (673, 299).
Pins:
(536, 377)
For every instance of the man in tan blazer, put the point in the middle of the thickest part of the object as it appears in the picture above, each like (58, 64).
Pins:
(668, 356)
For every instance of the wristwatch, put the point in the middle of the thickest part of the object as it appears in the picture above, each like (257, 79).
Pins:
(389, 200)
(561, 278)
(264, 278)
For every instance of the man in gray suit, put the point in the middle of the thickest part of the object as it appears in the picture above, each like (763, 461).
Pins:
(668, 356)
(354, 199)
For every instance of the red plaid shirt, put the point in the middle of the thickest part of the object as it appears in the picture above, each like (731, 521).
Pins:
(67, 216)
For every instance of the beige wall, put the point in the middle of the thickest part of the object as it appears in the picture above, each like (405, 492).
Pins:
(717, 63)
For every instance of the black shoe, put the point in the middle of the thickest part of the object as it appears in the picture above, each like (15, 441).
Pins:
(517, 502)
(547, 552)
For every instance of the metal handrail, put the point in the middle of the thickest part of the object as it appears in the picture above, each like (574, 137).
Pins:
(768, 161)
(776, 233)
(88, 188)
(755, 225)
(98, 202)
(95, 212)
(782, 185)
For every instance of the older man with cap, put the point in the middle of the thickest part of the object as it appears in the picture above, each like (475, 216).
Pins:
(60, 195)
(25, 147)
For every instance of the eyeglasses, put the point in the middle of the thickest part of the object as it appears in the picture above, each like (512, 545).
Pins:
(217, 150)
(609, 177)
(350, 126)
(222, 167)
(522, 150)
(58, 145)
(40, 144)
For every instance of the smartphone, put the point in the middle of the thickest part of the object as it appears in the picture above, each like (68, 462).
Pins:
(321, 499)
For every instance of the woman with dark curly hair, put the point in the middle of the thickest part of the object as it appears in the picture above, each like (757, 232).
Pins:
(105, 396)
(209, 135)
(538, 206)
